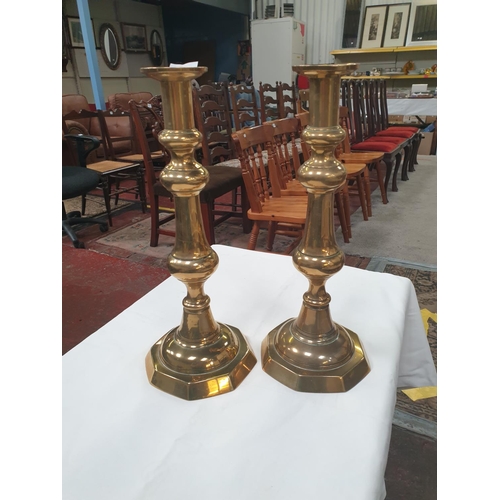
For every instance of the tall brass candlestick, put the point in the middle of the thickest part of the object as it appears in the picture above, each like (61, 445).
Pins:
(312, 353)
(200, 358)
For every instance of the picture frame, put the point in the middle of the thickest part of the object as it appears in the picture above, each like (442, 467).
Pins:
(373, 27)
(422, 25)
(396, 25)
(75, 32)
(134, 37)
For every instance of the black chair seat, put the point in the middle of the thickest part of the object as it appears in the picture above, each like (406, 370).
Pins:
(221, 180)
(78, 180)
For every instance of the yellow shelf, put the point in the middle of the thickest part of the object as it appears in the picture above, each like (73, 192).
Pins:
(387, 77)
(381, 50)
(405, 77)
(381, 77)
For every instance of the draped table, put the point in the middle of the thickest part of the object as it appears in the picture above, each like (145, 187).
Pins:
(123, 438)
(412, 107)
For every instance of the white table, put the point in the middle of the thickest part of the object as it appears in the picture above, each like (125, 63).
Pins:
(124, 439)
(412, 107)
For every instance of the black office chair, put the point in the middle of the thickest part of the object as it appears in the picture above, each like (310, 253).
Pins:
(78, 181)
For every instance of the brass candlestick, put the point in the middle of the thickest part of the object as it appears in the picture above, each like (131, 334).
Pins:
(312, 353)
(200, 358)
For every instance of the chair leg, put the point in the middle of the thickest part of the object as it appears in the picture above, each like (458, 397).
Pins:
(155, 222)
(395, 174)
(208, 221)
(406, 162)
(271, 234)
(341, 209)
(84, 204)
(380, 178)
(106, 190)
(368, 195)
(142, 188)
(418, 139)
(388, 172)
(347, 210)
(362, 196)
(245, 206)
(254, 234)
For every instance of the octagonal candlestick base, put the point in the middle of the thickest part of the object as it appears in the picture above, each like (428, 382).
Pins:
(312, 353)
(200, 358)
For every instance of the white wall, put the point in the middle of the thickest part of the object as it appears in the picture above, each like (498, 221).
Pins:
(127, 77)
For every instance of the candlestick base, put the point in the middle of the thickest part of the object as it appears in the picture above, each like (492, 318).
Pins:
(333, 366)
(198, 372)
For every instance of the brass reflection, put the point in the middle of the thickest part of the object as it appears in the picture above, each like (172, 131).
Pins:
(200, 358)
(312, 353)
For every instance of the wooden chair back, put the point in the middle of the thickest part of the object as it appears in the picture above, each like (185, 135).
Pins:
(303, 102)
(260, 176)
(145, 118)
(269, 102)
(213, 120)
(244, 106)
(117, 131)
(288, 97)
(285, 135)
(303, 119)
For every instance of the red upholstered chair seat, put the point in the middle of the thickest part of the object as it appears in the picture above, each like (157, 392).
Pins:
(411, 129)
(392, 140)
(385, 147)
(395, 133)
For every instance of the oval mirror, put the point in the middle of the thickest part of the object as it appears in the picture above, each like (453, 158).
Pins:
(156, 48)
(110, 45)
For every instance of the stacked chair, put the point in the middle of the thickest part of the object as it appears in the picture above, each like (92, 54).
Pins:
(278, 202)
(361, 135)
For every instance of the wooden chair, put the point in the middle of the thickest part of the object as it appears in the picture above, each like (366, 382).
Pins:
(110, 169)
(222, 180)
(288, 99)
(213, 120)
(285, 133)
(244, 106)
(303, 102)
(118, 127)
(269, 102)
(370, 159)
(392, 148)
(303, 118)
(280, 214)
(385, 128)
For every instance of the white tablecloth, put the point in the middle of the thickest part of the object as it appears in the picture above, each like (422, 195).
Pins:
(124, 439)
(412, 107)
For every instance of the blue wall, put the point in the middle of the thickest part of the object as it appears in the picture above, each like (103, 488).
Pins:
(194, 21)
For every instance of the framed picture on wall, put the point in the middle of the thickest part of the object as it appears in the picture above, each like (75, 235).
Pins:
(422, 27)
(134, 37)
(396, 25)
(373, 27)
(75, 32)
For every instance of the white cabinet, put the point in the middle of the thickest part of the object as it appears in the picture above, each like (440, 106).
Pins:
(277, 45)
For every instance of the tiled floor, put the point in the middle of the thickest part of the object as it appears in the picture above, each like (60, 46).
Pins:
(97, 287)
